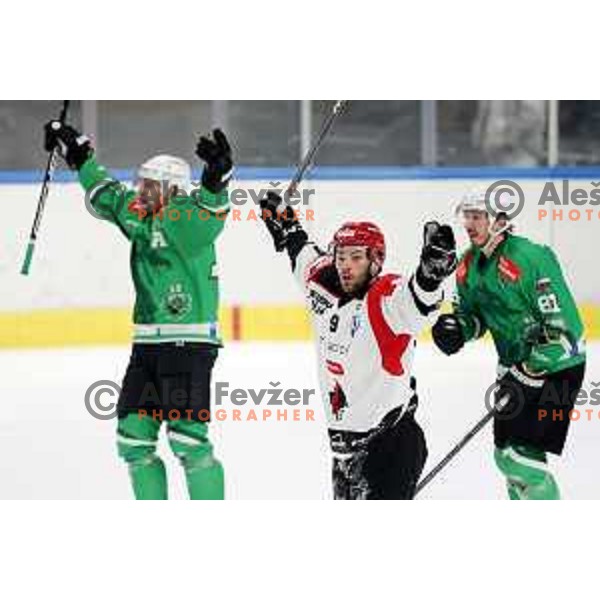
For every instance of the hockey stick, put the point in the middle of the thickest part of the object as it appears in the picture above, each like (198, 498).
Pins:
(310, 155)
(42, 200)
(500, 404)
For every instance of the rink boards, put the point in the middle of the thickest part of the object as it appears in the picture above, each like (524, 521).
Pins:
(79, 290)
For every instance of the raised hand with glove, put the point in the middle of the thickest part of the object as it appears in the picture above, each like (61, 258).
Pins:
(284, 228)
(216, 154)
(74, 147)
(438, 256)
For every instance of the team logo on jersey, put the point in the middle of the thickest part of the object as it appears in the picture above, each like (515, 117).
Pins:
(318, 303)
(542, 285)
(337, 402)
(335, 367)
(356, 324)
(508, 269)
(177, 301)
(337, 348)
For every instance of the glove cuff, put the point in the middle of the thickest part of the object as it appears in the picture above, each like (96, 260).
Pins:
(426, 282)
(78, 155)
(214, 180)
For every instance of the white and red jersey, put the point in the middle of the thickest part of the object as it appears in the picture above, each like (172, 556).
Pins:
(365, 344)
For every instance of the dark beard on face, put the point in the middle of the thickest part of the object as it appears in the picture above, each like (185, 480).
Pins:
(357, 292)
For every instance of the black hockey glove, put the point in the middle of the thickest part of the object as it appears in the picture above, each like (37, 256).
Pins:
(515, 387)
(216, 153)
(74, 147)
(448, 334)
(438, 256)
(285, 230)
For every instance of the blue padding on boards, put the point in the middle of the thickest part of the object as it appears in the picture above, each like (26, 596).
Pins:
(281, 175)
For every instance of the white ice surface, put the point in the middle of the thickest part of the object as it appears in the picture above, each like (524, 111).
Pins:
(51, 448)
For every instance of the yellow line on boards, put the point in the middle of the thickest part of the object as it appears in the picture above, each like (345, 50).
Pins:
(98, 326)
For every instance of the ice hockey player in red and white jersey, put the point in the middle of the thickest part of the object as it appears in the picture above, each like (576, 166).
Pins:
(366, 323)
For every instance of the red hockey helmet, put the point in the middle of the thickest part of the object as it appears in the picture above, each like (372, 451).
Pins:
(361, 233)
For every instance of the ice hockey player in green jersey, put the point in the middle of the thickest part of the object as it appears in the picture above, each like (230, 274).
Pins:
(515, 289)
(172, 230)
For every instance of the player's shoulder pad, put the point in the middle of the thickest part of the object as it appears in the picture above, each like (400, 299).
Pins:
(521, 246)
(322, 271)
(317, 265)
(519, 255)
(531, 251)
(387, 281)
(385, 285)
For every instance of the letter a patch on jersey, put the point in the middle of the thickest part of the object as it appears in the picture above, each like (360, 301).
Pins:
(158, 240)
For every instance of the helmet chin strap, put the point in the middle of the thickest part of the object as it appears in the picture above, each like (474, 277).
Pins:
(494, 239)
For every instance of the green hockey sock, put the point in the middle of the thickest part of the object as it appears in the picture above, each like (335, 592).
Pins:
(136, 442)
(526, 470)
(203, 472)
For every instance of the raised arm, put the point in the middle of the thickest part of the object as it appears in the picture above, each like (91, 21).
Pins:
(411, 305)
(106, 196)
(201, 215)
(288, 234)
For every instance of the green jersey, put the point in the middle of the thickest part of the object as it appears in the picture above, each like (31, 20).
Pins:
(520, 296)
(173, 258)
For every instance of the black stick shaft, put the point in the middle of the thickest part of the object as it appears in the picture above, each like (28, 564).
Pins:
(463, 442)
(310, 155)
(50, 166)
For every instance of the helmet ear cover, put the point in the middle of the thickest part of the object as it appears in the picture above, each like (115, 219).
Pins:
(376, 258)
(374, 269)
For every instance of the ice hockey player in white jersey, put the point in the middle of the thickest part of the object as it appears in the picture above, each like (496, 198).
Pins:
(366, 323)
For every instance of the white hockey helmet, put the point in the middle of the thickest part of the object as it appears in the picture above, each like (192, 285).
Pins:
(475, 200)
(169, 169)
(472, 200)
(495, 206)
